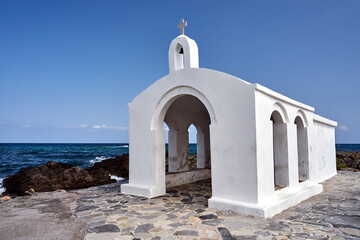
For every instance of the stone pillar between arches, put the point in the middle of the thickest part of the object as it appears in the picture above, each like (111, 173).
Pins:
(201, 155)
(178, 141)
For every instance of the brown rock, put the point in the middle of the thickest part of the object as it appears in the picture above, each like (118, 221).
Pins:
(346, 160)
(53, 176)
(5, 198)
(118, 166)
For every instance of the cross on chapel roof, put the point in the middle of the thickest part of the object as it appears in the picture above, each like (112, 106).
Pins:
(181, 26)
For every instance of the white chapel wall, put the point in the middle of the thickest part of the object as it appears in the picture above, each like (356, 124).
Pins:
(322, 149)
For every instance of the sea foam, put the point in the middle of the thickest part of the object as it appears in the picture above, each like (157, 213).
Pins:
(118, 179)
(2, 189)
(98, 159)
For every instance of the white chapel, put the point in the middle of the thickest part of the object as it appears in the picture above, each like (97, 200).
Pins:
(263, 151)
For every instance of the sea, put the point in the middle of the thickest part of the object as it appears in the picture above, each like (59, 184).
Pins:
(14, 156)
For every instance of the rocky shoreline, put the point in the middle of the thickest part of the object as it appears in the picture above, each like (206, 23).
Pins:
(349, 161)
(53, 176)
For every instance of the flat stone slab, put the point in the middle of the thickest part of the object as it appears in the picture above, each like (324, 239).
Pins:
(45, 215)
(186, 233)
(183, 213)
(104, 228)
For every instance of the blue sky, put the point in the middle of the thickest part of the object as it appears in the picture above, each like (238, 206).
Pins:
(69, 68)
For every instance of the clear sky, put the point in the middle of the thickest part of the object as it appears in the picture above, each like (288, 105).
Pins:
(68, 69)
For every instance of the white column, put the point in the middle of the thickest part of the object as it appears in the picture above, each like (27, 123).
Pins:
(200, 139)
(178, 141)
(172, 144)
(182, 150)
(281, 170)
(303, 154)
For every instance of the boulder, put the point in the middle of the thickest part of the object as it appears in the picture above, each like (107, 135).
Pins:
(118, 166)
(53, 176)
(348, 160)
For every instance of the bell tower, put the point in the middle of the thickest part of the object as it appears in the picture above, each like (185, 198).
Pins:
(183, 51)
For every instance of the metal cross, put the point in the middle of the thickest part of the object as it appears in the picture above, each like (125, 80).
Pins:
(181, 26)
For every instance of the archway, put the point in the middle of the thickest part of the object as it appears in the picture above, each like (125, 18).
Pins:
(186, 112)
(280, 151)
(302, 149)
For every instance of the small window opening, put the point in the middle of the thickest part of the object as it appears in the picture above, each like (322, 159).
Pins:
(166, 129)
(179, 57)
(192, 147)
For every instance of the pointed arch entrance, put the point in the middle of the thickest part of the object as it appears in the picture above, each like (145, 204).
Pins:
(280, 149)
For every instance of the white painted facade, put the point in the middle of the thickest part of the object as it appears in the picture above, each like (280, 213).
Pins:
(266, 151)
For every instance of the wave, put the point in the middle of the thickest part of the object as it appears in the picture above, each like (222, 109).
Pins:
(98, 159)
(118, 179)
(2, 189)
(122, 146)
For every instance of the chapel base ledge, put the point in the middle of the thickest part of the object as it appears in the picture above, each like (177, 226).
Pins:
(143, 191)
(280, 201)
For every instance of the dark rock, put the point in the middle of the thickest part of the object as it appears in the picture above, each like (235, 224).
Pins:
(186, 200)
(85, 208)
(200, 210)
(177, 224)
(104, 228)
(344, 221)
(186, 233)
(348, 160)
(213, 222)
(171, 216)
(118, 166)
(225, 234)
(144, 228)
(208, 216)
(53, 176)
(246, 237)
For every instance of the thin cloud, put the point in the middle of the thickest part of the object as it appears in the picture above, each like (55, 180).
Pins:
(344, 128)
(104, 126)
(2, 122)
(72, 126)
(25, 125)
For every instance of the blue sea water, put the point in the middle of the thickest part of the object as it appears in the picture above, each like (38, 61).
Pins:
(13, 156)
(348, 147)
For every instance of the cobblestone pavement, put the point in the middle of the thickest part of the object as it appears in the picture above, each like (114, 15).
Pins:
(183, 214)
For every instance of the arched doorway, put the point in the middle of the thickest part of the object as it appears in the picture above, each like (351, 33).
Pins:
(184, 113)
(192, 147)
(280, 151)
(302, 149)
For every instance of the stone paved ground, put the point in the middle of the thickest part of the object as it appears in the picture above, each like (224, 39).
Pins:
(183, 214)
